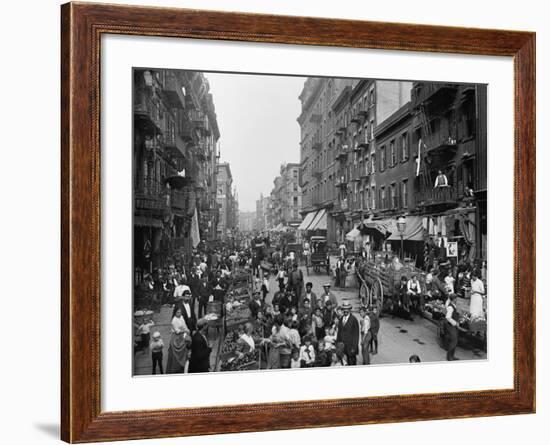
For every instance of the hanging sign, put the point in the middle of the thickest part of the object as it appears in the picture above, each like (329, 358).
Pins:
(452, 249)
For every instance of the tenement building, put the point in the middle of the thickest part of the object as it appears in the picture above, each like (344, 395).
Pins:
(227, 203)
(373, 151)
(175, 156)
(286, 198)
(338, 150)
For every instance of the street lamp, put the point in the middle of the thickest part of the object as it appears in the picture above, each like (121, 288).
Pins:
(401, 226)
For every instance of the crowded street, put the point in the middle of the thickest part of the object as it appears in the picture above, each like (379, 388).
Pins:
(398, 338)
(356, 236)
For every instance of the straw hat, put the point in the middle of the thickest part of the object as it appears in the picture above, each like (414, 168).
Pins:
(346, 305)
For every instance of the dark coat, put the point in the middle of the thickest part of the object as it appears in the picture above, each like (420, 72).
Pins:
(349, 335)
(204, 291)
(200, 354)
(191, 322)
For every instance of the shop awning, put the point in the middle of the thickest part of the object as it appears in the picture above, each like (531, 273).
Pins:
(307, 220)
(414, 231)
(320, 221)
(144, 221)
(379, 227)
(353, 234)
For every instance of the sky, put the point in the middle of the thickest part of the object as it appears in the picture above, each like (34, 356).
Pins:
(258, 128)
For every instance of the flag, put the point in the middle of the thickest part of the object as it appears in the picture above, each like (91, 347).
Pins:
(195, 235)
(418, 157)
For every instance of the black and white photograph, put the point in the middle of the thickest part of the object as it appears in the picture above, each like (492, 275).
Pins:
(284, 222)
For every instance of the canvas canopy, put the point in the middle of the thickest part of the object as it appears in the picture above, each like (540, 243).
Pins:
(353, 234)
(320, 221)
(414, 231)
(307, 220)
(382, 226)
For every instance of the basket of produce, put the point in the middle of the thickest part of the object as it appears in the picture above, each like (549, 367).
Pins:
(241, 362)
(477, 325)
(214, 307)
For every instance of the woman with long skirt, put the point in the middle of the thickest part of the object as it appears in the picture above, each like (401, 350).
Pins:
(179, 345)
(476, 298)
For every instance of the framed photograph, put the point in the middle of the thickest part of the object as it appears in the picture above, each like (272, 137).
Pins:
(275, 222)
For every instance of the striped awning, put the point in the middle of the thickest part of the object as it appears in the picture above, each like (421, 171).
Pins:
(307, 220)
(320, 221)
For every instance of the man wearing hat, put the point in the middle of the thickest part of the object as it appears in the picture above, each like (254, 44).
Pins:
(329, 296)
(296, 283)
(348, 333)
(452, 325)
(200, 349)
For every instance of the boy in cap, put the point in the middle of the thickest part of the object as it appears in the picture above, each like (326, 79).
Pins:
(328, 295)
(157, 346)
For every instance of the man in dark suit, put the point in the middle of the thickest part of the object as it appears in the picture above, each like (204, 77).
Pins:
(348, 334)
(200, 349)
(204, 291)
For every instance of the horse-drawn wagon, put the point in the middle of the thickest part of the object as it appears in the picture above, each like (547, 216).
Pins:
(318, 259)
(379, 279)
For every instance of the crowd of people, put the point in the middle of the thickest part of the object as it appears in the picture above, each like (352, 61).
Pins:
(187, 289)
(301, 328)
(295, 327)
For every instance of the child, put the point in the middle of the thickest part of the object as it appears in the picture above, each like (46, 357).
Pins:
(365, 335)
(294, 313)
(157, 347)
(374, 328)
(307, 353)
(321, 357)
(294, 335)
(144, 330)
(318, 324)
(330, 338)
(450, 282)
(295, 361)
(335, 360)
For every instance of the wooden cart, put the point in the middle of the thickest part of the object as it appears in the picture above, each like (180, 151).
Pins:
(319, 259)
(473, 333)
(379, 281)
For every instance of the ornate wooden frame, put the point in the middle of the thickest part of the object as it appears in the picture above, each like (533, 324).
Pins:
(81, 28)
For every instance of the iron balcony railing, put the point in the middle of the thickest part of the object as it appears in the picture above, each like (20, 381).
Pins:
(149, 194)
(424, 91)
(437, 195)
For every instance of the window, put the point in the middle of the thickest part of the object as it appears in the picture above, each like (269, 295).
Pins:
(404, 194)
(382, 197)
(367, 198)
(373, 198)
(393, 156)
(469, 110)
(404, 147)
(382, 158)
(393, 197)
(295, 173)
(373, 163)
